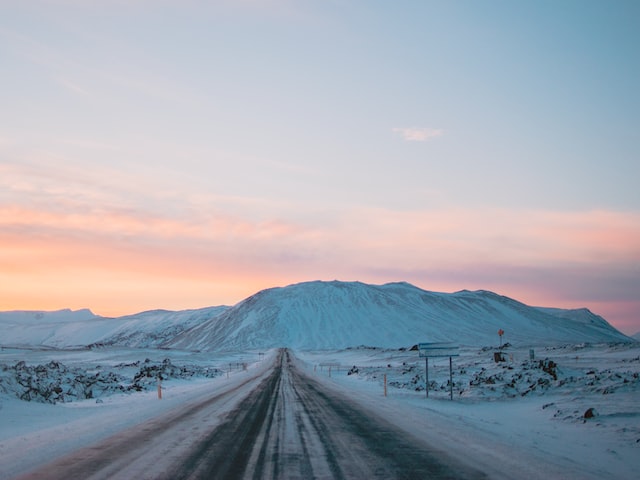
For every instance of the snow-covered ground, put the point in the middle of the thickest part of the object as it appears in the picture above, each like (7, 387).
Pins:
(510, 416)
(519, 416)
(34, 432)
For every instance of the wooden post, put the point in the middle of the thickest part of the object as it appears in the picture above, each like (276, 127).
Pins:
(329, 371)
(159, 388)
(385, 384)
(426, 361)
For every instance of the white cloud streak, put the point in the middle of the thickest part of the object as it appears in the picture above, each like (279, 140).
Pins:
(418, 134)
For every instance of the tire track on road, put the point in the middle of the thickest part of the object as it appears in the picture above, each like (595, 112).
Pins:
(286, 427)
(292, 428)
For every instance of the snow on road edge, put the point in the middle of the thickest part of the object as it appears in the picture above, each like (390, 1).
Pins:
(505, 438)
(34, 434)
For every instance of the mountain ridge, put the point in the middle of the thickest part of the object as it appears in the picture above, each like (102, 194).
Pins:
(319, 315)
(325, 315)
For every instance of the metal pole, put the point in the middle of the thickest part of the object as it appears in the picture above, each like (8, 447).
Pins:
(450, 380)
(426, 360)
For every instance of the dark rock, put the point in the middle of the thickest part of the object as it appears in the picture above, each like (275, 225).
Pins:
(590, 413)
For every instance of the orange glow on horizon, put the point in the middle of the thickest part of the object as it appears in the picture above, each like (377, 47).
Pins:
(123, 262)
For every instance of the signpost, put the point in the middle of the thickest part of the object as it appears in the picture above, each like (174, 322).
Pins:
(438, 349)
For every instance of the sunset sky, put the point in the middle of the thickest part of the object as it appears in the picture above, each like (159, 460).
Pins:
(181, 154)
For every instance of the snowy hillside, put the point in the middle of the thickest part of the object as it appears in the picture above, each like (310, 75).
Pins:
(327, 315)
(318, 315)
(66, 328)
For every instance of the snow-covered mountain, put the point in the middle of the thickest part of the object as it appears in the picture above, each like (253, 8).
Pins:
(66, 328)
(329, 315)
(319, 315)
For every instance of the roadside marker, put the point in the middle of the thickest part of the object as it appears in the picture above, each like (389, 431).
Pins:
(438, 349)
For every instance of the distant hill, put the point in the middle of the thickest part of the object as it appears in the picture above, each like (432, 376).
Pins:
(329, 315)
(636, 336)
(66, 328)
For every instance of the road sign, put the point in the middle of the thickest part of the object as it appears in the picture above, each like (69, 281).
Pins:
(438, 349)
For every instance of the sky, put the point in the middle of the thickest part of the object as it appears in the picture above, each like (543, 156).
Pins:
(181, 154)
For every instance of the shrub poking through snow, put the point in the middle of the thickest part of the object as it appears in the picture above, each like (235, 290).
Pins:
(550, 367)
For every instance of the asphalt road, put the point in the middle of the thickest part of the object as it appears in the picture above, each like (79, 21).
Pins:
(287, 426)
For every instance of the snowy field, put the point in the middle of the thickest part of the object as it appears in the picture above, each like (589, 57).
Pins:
(511, 416)
(34, 432)
(519, 418)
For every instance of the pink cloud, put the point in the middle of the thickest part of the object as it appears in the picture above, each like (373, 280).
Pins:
(418, 134)
(551, 258)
